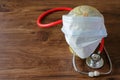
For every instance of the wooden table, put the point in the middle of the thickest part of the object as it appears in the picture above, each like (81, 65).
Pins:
(31, 53)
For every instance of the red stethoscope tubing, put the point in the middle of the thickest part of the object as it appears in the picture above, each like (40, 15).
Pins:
(48, 12)
(41, 25)
(101, 46)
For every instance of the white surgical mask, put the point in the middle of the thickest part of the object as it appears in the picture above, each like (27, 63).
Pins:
(83, 34)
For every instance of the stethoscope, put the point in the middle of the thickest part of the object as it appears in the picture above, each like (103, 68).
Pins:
(94, 61)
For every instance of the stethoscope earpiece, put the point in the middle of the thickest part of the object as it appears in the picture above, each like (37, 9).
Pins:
(93, 74)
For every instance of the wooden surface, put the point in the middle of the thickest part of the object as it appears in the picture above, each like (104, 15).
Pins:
(31, 53)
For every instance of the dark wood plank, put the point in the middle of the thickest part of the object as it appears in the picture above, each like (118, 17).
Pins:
(31, 53)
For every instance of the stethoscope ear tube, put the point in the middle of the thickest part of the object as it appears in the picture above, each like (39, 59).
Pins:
(95, 73)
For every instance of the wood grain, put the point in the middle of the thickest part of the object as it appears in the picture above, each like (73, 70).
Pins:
(31, 53)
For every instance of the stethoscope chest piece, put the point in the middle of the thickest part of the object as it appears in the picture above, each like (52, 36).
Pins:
(95, 61)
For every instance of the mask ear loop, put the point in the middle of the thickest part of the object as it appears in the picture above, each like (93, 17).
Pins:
(49, 12)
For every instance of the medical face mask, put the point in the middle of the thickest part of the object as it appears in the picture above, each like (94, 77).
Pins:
(83, 34)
